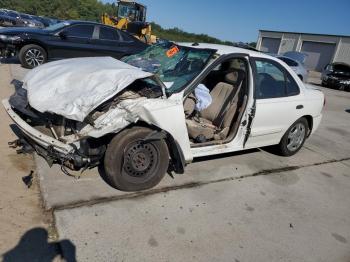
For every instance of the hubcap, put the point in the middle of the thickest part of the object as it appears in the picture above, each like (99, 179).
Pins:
(140, 159)
(34, 57)
(296, 137)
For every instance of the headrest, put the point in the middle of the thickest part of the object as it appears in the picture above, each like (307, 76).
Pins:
(234, 77)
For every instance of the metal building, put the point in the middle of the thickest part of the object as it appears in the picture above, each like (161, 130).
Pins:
(321, 49)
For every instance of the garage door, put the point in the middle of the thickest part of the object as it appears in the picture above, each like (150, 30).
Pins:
(270, 45)
(319, 54)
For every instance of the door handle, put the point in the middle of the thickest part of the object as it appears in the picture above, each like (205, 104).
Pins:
(299, 107)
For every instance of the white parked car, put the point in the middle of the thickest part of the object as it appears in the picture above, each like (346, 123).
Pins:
(139, 124)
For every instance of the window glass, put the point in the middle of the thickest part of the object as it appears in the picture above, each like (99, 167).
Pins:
(108, 34)
(173, 64)
(270, 80)
(84, 31)
(125, 37)
(292, 86)
(273, 81)
(57, 26)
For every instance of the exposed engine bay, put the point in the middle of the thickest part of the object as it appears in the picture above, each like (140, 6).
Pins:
(90, 150)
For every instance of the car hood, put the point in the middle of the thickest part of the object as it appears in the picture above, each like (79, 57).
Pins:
(297, 56)
(75, 87)
(340, 70)
(22, 30)
(7, 17)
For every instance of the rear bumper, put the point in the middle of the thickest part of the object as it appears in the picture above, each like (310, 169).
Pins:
(35, 136)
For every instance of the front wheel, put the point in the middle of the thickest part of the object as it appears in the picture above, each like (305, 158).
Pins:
(32, 56)
(294, 138)
(132, 164)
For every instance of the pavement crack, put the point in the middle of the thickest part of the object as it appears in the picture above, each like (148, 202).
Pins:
(135, 195)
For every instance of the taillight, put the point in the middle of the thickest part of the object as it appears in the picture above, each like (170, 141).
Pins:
(324, 101)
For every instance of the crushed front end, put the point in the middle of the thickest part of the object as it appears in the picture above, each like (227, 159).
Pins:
(70, 143)
(43, 133)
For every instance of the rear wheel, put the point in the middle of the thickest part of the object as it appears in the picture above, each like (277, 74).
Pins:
(132, 164)
(294, 138)
(31, 56)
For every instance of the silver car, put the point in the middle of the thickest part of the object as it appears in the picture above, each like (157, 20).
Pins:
(295, 60)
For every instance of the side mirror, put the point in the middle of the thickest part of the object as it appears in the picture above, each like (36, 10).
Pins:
(62, 34)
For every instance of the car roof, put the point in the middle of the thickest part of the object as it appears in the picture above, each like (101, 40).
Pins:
(225, 49)
(71, 22)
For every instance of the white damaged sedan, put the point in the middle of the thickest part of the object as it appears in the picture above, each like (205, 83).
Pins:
(155, 111)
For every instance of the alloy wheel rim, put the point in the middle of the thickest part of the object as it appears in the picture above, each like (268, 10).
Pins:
(34, 57)
(296, 137)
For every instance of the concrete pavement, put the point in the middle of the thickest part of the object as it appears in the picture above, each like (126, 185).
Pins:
(299, 215)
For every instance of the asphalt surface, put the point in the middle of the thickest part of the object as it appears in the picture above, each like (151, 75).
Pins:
(250, 206)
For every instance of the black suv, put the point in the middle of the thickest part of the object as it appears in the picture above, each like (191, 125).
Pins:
(66, 40)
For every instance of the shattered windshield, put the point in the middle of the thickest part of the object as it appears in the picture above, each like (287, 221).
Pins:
(175, 65)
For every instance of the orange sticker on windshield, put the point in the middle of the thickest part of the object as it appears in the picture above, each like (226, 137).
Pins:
(172, 51)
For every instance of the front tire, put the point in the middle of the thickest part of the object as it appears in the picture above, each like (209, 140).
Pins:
(293, 140)
(32, 56)
(132, 164)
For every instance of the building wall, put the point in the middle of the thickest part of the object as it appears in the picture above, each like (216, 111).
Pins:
(294, 42)
(343, 52)
(289, 42)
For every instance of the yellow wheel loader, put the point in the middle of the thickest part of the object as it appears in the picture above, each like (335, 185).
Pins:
(131, 16)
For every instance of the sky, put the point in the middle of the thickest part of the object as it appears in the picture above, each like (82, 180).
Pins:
(240, 20)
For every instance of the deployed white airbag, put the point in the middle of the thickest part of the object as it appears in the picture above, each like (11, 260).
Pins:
(74, 87)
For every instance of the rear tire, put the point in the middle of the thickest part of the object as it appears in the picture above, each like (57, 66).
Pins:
(131, 164)
(293, 140)
(32, 56)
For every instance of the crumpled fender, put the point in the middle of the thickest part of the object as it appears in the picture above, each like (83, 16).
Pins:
(166, 114)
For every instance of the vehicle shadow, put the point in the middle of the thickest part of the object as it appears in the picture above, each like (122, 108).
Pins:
(34, 246)
(347, 110)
